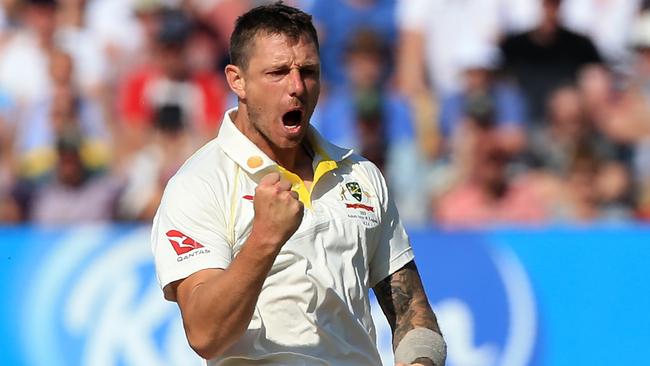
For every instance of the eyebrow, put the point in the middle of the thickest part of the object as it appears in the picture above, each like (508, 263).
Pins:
(281, 66)
(310, 64)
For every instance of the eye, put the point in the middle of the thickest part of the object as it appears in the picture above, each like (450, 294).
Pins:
(277, 73)
(309, 72)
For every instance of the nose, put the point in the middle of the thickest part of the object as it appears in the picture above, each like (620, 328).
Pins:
(296, 83)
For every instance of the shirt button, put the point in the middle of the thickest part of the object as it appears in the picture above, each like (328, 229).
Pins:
(254, 162)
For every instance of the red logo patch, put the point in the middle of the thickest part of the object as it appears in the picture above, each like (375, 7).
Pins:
(181, 242)
(248, 197)
(361, 206)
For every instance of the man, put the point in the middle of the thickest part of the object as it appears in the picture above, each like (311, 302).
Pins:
(546, 57)
(269, 238)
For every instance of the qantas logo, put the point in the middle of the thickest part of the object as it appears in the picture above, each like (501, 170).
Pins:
(181, 242)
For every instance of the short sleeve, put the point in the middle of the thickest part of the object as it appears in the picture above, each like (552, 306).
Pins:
(393, 248)
(189, 231)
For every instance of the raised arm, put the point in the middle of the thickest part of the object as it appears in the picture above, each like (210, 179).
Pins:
(416, 336)
(217, 305)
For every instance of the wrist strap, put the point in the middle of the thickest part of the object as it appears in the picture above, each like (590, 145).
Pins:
(421, 342)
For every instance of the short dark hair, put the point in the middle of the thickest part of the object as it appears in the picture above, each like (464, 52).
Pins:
(271, 19)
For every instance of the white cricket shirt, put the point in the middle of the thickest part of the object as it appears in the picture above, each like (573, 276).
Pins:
(314, 307)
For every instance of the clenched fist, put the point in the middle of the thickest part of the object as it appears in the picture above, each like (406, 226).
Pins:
(278, 212)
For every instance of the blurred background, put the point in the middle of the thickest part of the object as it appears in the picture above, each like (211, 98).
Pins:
(479, 112)
(514, 134)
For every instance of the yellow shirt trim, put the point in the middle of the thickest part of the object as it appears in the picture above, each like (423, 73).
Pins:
(324, 165)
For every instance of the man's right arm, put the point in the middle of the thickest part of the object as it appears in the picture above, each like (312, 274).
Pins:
(218, 304)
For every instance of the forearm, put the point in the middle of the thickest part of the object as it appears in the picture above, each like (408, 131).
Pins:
(404, 302)
(217, 312)
(415, 313)
(411, 68)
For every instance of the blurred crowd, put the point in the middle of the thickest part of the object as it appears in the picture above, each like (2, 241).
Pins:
(479, 112)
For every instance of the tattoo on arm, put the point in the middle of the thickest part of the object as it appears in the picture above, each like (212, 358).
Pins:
(403, 301)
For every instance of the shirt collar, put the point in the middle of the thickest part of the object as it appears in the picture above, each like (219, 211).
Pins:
(253, 160)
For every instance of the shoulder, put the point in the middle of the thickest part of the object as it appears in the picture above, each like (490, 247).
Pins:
(514, 39)
(207, 160)
(368, 173)
(359, 162)
(570, 34)
(206, 172)
(576, 38)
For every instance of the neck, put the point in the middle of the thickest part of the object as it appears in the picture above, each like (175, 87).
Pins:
(546, 31)
(287, 158)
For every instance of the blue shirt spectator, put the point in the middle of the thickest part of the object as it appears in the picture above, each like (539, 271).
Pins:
(339, 20)
(503, 102)
(337, 118)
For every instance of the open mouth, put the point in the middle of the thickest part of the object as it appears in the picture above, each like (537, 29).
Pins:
(292, 119)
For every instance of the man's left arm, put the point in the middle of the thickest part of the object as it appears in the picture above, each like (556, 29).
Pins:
(417, 339)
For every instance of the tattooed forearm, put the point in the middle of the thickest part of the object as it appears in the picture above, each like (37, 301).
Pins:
(403, 301)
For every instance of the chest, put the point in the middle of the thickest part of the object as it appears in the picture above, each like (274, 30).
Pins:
(343, 221)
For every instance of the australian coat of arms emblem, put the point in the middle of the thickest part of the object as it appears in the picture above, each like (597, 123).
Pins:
(355, 190)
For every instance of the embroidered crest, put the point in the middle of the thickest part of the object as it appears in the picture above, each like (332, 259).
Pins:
(355, 190)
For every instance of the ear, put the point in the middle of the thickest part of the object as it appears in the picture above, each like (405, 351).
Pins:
(236, 81)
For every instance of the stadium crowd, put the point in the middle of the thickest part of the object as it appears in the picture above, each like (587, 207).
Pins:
(479, 112)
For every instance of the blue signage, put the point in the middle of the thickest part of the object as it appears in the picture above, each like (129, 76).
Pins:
(88, 296)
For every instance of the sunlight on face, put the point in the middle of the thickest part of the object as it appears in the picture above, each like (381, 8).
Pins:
(282, 85)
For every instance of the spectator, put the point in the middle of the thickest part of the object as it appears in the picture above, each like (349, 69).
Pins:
(606, 22)
(76, 38)
(553, 144)
(546, 57)
(365, 114)
(596, 189)
(630, 120)
(64, 109)
(73, 196)
(219, 17)
(487, 195)
(595, 182)
(122, 29)
(155, 164)
(600, 94)
(171, 80)
(23, 60)
(434, 32)
(338, 20)
(485, 99)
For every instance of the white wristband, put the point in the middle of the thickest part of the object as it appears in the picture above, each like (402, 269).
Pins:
(421, 342)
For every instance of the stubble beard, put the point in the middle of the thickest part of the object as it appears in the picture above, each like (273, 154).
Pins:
(255, 119)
